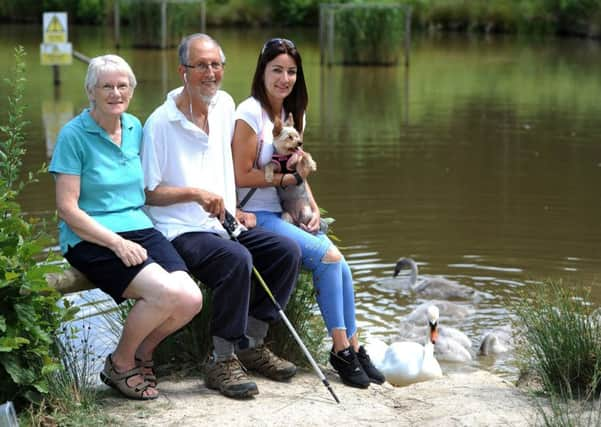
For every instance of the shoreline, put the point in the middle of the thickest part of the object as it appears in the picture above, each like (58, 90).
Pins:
(476, 398)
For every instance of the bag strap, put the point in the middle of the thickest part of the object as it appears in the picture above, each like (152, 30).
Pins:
(255, 165)
(247, 198)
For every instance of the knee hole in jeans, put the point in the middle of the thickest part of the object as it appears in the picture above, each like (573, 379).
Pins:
(332, 256)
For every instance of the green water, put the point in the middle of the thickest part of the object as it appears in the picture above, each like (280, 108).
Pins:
(480, 161)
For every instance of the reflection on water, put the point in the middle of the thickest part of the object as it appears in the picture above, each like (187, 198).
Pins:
(479, 162)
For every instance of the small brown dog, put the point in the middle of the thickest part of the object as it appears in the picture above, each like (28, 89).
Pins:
(288, 157)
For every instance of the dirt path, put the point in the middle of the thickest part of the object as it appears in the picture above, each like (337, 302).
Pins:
(466, 399)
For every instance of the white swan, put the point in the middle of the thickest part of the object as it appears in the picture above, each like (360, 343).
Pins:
(434, 287)
(409, 362)
(377, 350)
(452, 344)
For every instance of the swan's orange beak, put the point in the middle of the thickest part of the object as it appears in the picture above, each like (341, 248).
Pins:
(433, 332)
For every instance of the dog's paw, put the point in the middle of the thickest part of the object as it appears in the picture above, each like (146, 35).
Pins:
(306, 164)
(287, 217)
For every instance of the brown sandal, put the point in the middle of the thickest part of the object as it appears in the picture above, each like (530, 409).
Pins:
(118, 380)
(148, 371)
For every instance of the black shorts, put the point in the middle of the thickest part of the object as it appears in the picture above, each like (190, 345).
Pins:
(106, 270)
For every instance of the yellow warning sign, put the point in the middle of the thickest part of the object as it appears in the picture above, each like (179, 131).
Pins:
(55, 27)
(56, 53)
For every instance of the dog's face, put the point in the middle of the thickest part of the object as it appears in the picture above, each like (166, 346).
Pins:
(286, 139)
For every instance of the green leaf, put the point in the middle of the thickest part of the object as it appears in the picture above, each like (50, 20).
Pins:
(11, 343)
(20, 373)
(10, 276)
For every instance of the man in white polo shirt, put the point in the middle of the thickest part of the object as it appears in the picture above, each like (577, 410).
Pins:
(189, 181)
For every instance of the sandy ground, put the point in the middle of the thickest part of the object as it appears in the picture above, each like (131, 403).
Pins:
(460, 399)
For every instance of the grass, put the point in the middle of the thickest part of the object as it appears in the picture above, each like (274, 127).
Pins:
(73, 396)
(310, 327)
(561, 345)
(192, 343)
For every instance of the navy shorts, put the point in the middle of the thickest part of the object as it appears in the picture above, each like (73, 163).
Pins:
(106, 270)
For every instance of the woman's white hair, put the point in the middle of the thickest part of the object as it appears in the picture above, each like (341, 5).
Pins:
(104, 64)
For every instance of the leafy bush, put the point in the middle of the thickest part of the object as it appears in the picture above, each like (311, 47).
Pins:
(29, 314)
(295, 12)
(561, 341)
(145, 18)
(80, 11)
(370, 34)
(238, 12)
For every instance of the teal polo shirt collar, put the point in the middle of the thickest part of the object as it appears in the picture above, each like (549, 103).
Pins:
(90, 125)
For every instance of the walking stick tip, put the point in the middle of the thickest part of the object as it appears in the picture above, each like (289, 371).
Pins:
(329, 387)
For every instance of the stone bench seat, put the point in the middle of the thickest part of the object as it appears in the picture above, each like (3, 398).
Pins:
(68, 281)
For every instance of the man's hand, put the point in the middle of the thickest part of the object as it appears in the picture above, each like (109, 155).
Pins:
(247, 219)
(212, 203)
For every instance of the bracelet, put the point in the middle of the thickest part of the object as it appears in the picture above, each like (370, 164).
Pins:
(282, 186)
(299, 179)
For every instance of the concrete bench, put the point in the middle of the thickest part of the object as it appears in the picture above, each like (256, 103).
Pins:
(68, 281)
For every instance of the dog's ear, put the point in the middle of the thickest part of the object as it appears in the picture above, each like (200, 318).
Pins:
(277, 126)
(289, 121)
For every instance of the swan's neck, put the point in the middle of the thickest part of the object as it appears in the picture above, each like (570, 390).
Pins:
(428, 349)
(413, 274)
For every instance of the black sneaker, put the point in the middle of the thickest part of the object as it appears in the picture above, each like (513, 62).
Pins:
(348, 367)
(372, 372)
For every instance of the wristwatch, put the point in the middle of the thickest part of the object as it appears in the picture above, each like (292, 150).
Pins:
(299, 179)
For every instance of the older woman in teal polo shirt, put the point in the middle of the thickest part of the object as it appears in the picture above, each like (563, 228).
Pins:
(104, 233)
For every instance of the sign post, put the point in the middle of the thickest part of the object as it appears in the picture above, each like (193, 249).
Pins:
(55, 50)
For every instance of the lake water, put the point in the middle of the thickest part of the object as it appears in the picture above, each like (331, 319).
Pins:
(480, 161)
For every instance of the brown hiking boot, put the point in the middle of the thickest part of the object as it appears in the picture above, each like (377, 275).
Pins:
(262, 360)
(229, 378)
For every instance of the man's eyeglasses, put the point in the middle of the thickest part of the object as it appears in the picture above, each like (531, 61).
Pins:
(277, 41)
(203, 68)
(107, 88)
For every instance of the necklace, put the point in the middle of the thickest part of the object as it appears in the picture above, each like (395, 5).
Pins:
(202, 121)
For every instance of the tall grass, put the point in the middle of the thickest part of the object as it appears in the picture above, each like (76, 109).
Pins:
(300, 311)
(72, 398)
(561, 346)
(193, 342)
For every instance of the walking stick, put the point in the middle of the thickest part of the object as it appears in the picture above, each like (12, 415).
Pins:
(233, 230)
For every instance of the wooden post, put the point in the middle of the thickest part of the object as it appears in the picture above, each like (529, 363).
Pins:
(56, 77)
(203, 16)
(330, 55)
(406, 96)
(321, 33)
(117, 24)
(408, 11)
(163, 24)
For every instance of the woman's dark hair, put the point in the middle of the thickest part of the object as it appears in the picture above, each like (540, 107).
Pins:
(296, 102)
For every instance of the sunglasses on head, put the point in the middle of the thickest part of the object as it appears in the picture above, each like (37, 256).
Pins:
(277, 42)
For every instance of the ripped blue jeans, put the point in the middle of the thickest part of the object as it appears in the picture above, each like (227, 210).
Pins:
(332, 280)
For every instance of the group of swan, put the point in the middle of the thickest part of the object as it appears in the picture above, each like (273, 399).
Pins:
(406, 361)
